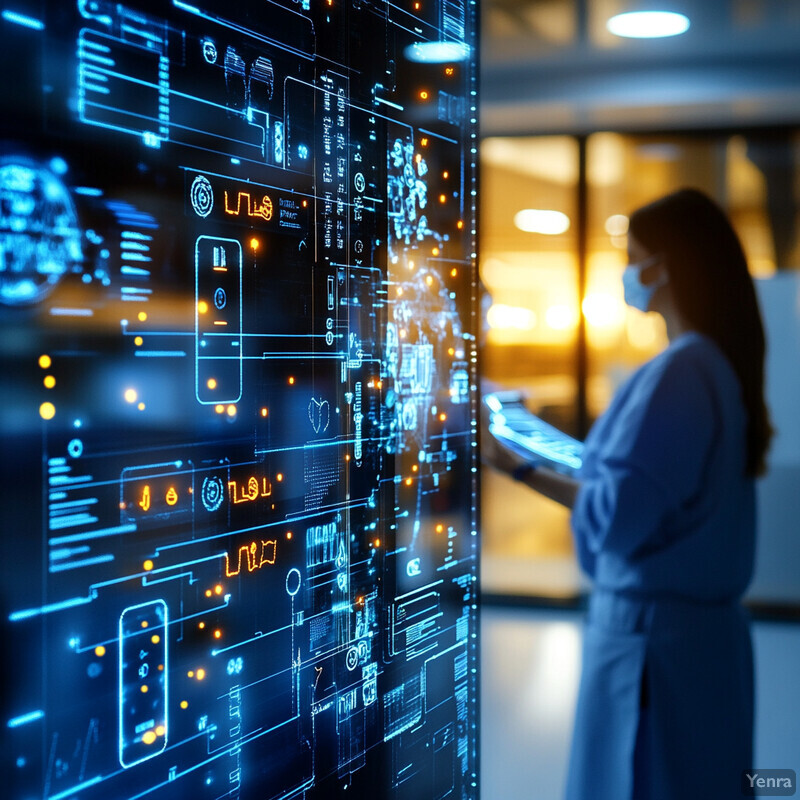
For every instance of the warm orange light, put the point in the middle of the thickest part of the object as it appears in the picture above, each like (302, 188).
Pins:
(142, 316)
(445, 174)
(377, 543)
(423, 95)
(279, 477)
(439, 528)
(218, 634)
(414, 468)
(435, 251)
(424, 141)
(201, 673)
(138, 341)
(148, 565)
(219, 408)
(47, 411)
(254, 243)
(291, 381)
(231, 410)
(451, 351)
(211, 383)
(347, 457)
(190, 673)
(143, 688)
(429, 280)
(442, 198)
(145, 623)
(160, 730)
(305, 203)
(45, 361)
(155, 638)
(208, 592)
(202, 307)
(453, 272)
(448, 71)
(442, 417)
(288, 534)
(201, 625)
(460, 224)
(49, 381)
(100, 651)
(408, 481)
(264, 412)
(218, 588)
(148, 737)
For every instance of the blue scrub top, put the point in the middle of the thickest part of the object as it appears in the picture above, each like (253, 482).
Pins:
(664, 523)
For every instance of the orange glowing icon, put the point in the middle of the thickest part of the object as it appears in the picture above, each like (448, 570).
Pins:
(172, 496)
(144, 502)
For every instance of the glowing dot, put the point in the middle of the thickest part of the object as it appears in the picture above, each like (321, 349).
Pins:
(453, 272)
(423, 95)
(418, 158)
(445, 175)
(254, 243)
(155, 638)
(399, 291)
(442, 198)
(190, 673)
(141, 406)
(429, 280)
(442, 417)
(218, 588)
(424, 141)
(184, 704)
(414, 468)
(47, 411)
(160, 667)
(130, 395)
(148, 565)
(49, 381)
(291, 381)
(448, 71)
(377, 543)
(288, 534)
(347, 457)
(145, 623)
(211, 383)
(202, 307)
(305, 203)
(435, 251)
(201, 673)
(148, 737)
(416, 6)
(264, 412)
(451, 351)
(143, 688)
(231, 410)
(208, 592)
(160, 730)
(408, 481)
(45, 361)
(138, 341)
(279, 477)
(100, 651)
(460, 224)
(439, 528)
(219, 408)
(142, 316)
(217, 634)
(201, 625)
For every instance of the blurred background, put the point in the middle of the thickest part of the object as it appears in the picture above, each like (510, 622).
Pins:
(579, 127)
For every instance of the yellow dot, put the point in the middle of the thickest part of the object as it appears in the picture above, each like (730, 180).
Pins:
(377, 543)
(142, 316)
(279, 477)
(148, 737)
(291, 381)
(201, 625)
(155, 638)
(148, 565)
(347, 457)
(219, 408)
(453, 272)
(460, 224)
(439, 528)
(442, 198)
(451, 351)
(45, 361)
(254, 244)
(445, 175)
(201, 673)
(100, 651)
(442, 417)
(47, 411)
(160, 730)
(414, 468)
(130, 395)
(288, 534)
(190, 673)
(264, 412)
(143, 688)
(435, 251)
(429, 280)
(184, 704)
(423, 95)
(211, 383)
(145, 623)
(408, 481)
(141, 406)
(49, 381)
(138, 341)
(231, 410)
(218, 588)
(202, 307)
(218, 634)
(208, 592)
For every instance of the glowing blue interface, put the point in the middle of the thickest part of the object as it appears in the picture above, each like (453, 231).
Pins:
(238, 399)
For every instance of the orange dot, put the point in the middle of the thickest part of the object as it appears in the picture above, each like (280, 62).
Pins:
(288, 534)
(442, 198)
(435, 251)
(138, 341)
(445, 175)
(453, 272)
(439, 528)
(408, 481)
(148, 737)
(211, 383)
(160, 667)
(45, 361)
(442, 417)
(291, 381)
(460, 224)
(145, 623)
(49, 381)
(424, 141)
(377, 543)
(218, 588)
(279, 477)
(414, 468)
(347, 457)
(208, 592)
(219, 408)
(142, 316)
(217, 634)
(264, 412)
(148, 565)
(201, 673)
(47, 411)
(231, 410)
(254, 243)
(201, 625)
(451, 351)
(202, 307)
(423, 95)
(100, 651)
(160, 730)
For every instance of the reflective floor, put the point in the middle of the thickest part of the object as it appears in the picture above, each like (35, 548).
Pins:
(530, 669)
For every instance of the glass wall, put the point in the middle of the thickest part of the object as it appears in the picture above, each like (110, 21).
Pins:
(532, 279)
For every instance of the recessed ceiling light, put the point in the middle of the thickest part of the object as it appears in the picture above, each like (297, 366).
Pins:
(536, 220)
(648, 24)
(437, 52)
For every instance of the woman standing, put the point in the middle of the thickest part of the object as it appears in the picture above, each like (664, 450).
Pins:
(663, 515)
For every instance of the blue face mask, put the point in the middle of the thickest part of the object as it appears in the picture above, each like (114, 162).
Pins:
(637, 295)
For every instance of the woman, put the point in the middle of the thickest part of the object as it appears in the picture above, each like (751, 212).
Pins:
(663, 515)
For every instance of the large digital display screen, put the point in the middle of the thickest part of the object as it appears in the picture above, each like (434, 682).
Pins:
(238, 399)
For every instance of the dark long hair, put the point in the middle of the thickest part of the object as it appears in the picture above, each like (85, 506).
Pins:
(713, 292)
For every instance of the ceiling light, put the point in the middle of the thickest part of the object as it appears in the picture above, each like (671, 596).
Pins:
(437, 52)
(648, 24)
(535, 220)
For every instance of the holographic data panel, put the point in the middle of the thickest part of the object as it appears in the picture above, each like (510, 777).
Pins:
(237, 332)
